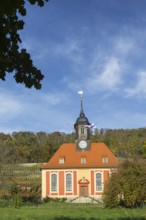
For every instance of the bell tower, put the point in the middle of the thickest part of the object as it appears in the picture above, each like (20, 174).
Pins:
(81, 129)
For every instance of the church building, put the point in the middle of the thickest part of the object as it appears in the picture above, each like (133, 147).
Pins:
(80, 169)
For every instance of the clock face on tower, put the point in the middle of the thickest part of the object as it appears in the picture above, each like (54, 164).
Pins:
(82, 144)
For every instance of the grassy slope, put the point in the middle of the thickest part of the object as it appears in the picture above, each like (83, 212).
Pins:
(61, 211)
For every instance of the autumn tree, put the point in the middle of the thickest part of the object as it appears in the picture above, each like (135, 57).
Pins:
(12, 58)
(25, 147)
(127, 143)
(127, 187)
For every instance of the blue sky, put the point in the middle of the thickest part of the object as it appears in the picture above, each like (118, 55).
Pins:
(98, 46)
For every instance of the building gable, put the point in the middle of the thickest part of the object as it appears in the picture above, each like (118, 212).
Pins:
(68, 157)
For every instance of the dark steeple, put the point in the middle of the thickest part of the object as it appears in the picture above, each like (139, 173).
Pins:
(82, 133)
(82, 119)
(81, 111)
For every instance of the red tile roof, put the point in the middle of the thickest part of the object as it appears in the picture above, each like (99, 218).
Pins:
(72, 157)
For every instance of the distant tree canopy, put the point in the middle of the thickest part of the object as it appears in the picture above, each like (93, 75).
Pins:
(123, 142)
(12, 59)
(29, 147)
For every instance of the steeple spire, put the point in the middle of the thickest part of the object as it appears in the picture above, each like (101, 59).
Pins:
(81, 110)
(82, 119)
(82, 132)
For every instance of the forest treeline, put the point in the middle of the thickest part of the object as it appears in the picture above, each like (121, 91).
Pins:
(29, 147)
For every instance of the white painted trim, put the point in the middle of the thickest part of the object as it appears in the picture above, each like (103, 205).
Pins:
(76, 169)
(102, 183)
(72, 178)
(57, 182)
(44, 172)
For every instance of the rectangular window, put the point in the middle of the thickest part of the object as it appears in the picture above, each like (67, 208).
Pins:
(54, 182)
(98, 182)
(68, 182)
(82, 130)
(105, 160)
(83, 160)
(61, 160)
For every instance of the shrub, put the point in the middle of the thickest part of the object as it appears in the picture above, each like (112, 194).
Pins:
(56, 199)
(128, 186)
(17, 201)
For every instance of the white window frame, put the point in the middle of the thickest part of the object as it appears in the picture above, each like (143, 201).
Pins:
(56, 190)
(61, 160)
(96, 189)
(71, 188)
(105, 160)
(83, 160)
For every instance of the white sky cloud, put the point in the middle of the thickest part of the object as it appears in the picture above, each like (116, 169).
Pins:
(140, 86)
(124, 45)
(69, 49)
(33, 111)
(10, 106)
(39, 50)
(108, 79)
(55, 98)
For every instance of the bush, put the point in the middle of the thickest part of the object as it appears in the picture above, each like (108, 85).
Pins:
(5, 203)
(17, 201)
(127, 187)
(110, 197)
(56, 199)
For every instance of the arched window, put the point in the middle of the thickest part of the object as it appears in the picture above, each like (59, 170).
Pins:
(98, 182)
(68, 182)
(54, 182)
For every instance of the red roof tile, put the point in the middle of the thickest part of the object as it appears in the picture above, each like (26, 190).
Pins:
(72, 157)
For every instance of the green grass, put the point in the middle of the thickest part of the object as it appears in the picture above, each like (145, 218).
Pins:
(66, 211)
